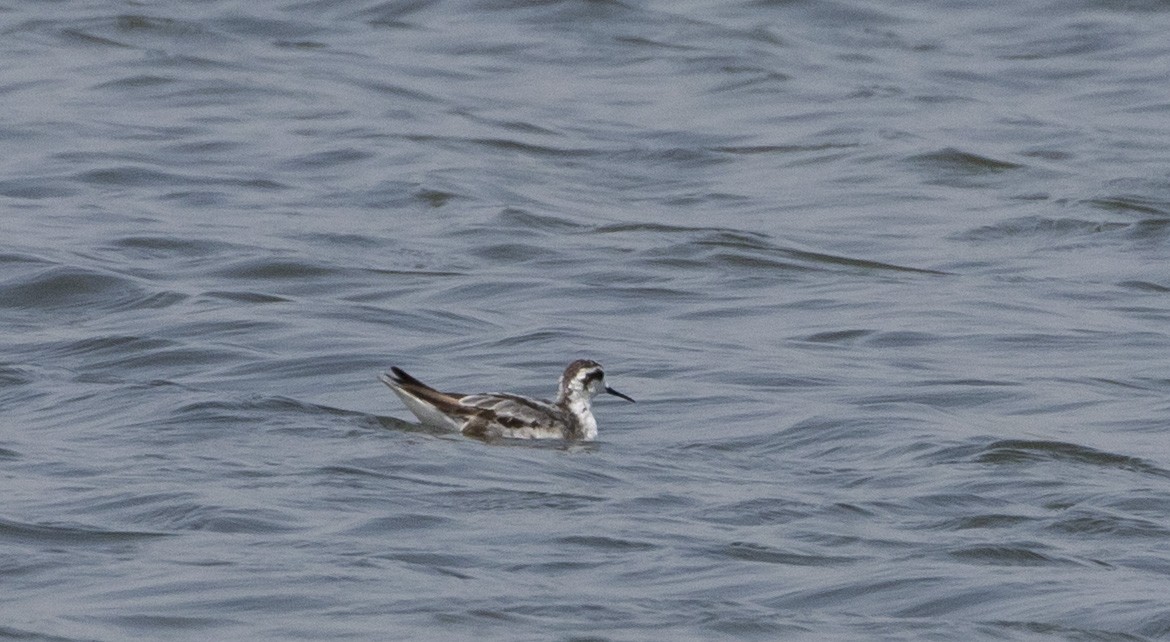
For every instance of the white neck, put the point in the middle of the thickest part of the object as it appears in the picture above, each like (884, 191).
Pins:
(581, 407)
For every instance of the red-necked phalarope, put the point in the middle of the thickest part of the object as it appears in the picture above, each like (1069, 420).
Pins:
(492, 415)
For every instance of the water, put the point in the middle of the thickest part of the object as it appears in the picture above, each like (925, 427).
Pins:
(888, 281)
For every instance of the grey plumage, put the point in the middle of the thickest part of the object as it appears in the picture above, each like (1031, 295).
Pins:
(495, 415)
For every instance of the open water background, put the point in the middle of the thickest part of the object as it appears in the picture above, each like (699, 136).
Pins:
(888, 279)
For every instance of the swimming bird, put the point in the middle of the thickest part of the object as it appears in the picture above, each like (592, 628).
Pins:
(492, 415)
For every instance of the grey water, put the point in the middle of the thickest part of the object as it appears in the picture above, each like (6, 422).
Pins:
(889, 281)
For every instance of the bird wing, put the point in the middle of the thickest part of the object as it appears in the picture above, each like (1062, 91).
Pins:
(477, 415)
(513, 411)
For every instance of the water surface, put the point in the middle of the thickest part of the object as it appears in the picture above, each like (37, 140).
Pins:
(887, 280)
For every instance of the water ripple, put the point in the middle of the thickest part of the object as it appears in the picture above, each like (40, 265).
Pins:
(64, 288)
(1015, 451)
(26, 533)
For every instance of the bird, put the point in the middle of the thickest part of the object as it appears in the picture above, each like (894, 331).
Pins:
(495, 415)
